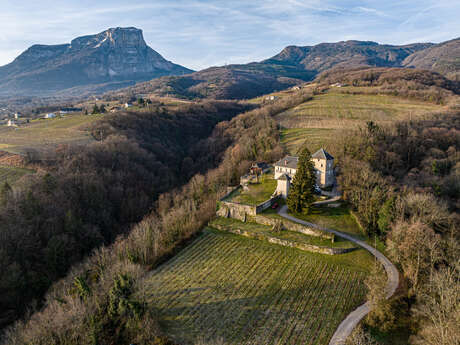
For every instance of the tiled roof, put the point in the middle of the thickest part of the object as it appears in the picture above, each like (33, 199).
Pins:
(288, 162)
(322, 154)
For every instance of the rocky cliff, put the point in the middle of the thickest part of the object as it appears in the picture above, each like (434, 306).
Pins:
(111, 57)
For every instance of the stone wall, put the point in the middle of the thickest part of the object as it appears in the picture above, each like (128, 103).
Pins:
(285, 243)
(230, 209)
(266, 204)
(292, 226)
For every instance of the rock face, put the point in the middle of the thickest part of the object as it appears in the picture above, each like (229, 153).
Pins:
(114, 56)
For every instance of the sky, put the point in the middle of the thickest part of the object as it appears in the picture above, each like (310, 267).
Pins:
(204, 33)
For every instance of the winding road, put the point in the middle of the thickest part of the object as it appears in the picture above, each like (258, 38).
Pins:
(350, 322)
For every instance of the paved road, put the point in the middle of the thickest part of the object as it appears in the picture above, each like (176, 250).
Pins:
(350, 322)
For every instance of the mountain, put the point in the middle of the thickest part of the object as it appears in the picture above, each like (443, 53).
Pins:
(111, 59)
(443, 58)
(324, 56)
(229, 82)
(293, 65)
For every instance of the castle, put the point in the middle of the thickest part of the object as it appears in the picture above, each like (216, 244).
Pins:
(286, 168)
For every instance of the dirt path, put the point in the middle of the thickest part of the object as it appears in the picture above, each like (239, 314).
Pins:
(350, 322)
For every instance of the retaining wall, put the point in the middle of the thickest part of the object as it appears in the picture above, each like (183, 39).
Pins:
(291, 226)
(285, 243)
(230, 209)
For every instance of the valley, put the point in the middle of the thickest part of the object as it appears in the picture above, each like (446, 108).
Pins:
(115, 221)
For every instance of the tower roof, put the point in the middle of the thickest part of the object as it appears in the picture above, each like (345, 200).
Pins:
(322, 154)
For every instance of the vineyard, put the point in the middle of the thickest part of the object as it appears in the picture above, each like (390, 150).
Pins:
(240, 291)
(322, 119)
(11, 174)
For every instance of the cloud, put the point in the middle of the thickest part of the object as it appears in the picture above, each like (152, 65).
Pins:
(201, 33)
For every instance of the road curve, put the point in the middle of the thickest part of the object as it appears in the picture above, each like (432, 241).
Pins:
(350, 322)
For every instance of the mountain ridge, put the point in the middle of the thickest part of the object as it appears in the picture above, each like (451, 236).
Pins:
(293, 65)
(114, 55)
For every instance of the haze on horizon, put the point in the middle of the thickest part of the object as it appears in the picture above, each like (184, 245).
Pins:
(200, 34)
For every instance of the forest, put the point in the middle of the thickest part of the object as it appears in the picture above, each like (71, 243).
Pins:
(403, 182)
(100, 300)
(87, 195)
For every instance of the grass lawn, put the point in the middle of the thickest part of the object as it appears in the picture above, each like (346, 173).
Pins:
(47, 133)
(338, 218)
(238, 290)
(11, 174)
(257, 193)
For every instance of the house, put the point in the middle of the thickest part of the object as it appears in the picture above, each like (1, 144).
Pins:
(11, 123)
(17, 115)
(128, 105)
(259, 168)
(324, 166)
(50, 116)
(284, 183)
(286, 168)
(271, 98)
(287, 165)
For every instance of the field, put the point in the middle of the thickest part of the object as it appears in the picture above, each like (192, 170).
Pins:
(12, 174)
(320, 120)
(256, 193)
(231, 290)
(43, 134)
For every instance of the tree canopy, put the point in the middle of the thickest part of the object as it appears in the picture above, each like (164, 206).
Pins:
(303, 184)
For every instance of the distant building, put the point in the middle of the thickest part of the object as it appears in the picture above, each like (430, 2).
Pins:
(11, 123)
(50, 116)
(128, 105)
(286, 168)
(17, 115)
(271, 98)
(296, 88)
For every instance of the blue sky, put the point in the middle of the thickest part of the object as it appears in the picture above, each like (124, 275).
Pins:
(199, 34)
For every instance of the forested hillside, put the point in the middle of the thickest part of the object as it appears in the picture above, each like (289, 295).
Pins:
(99, 300)
(90, 194)
(403, 181)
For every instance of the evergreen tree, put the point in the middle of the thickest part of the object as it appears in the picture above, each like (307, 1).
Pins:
(5, 193)
(303, 184)
(102, 109)
(95, 109)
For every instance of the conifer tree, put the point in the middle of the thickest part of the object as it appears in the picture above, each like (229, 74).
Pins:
(95, 109)
(5, 193)
(303, 184)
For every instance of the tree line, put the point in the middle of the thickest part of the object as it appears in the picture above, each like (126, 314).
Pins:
(403, 182)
